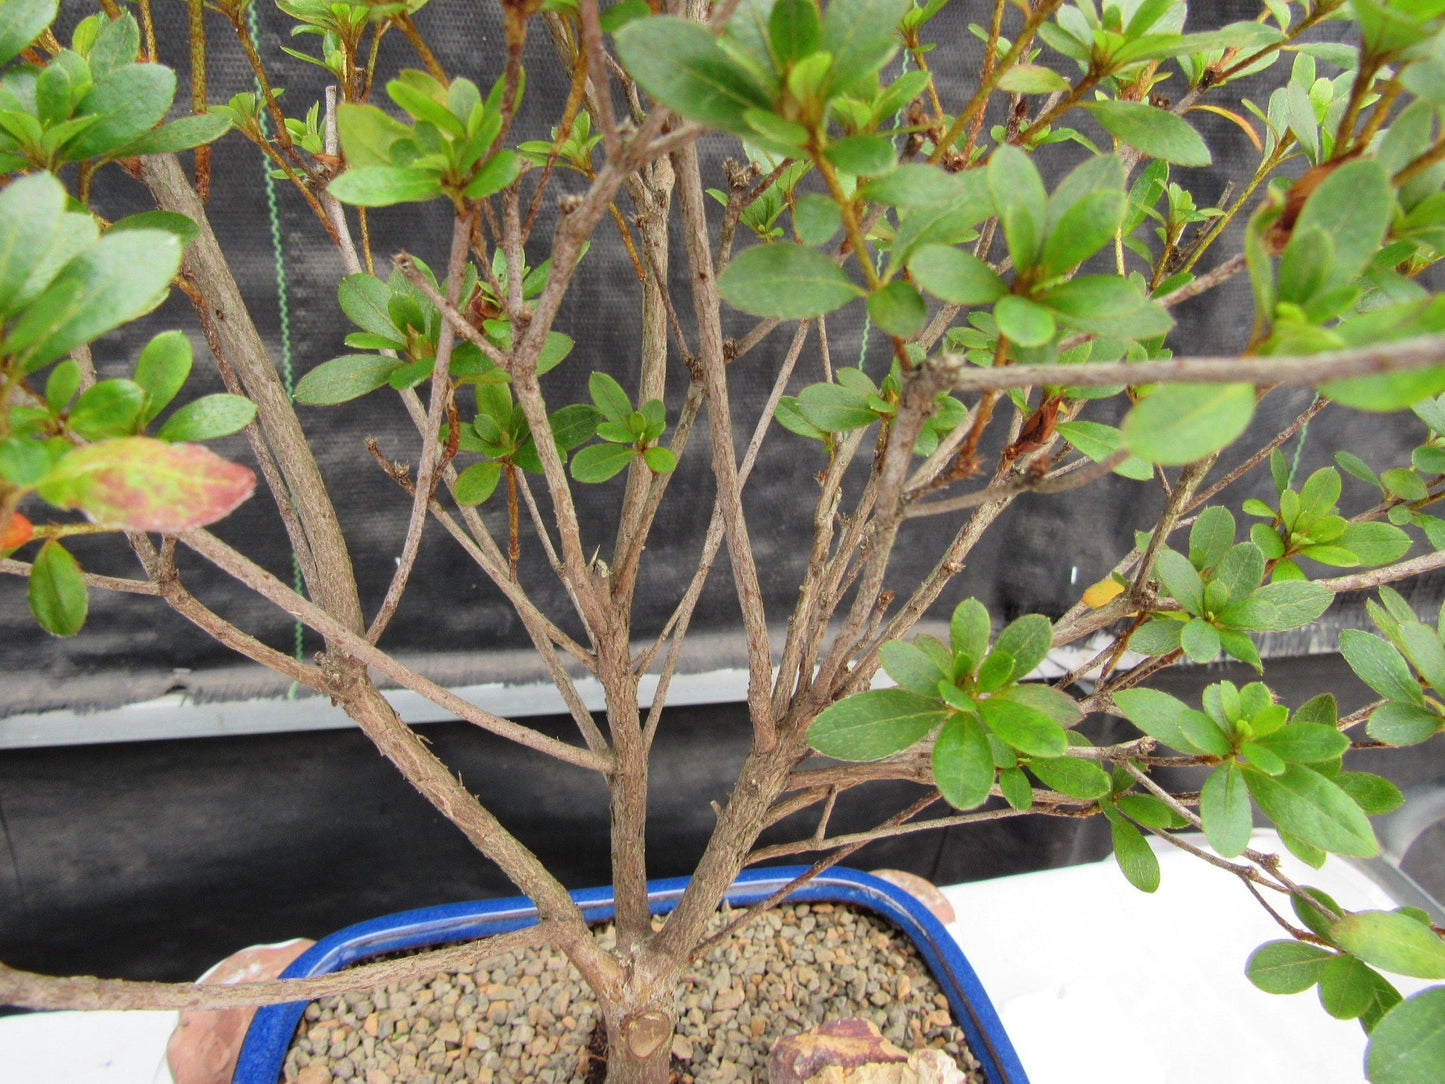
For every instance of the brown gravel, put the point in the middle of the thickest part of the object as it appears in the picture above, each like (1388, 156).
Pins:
(527, 1021)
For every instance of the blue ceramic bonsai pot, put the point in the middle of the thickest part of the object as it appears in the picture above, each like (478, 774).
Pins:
(273, 1027)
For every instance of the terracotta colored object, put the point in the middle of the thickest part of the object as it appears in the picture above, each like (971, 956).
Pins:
(925, 892)
(204, 1047)
(854, 1051)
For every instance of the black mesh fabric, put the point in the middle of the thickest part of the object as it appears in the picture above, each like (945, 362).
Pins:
(454, 624)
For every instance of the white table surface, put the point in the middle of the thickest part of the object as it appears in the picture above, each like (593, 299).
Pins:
(1094, 981)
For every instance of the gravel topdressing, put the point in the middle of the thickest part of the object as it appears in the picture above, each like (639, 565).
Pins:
(527, 1020)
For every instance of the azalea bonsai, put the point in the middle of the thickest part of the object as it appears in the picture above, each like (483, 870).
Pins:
(1019, 234)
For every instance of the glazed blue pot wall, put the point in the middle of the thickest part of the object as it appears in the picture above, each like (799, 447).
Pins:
(275, 1025)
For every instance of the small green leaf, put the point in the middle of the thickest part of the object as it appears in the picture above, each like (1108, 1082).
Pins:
(24, 21)
(475, 484)
(1380, 666)
(969, 630)
(1211, 537)
(1156, 132)
(161, 370)
(1346, 987)
(898, 309)
(1074, 776)
(660, 460)
(181, 134)
(816, 218)
(496, 173)
(834, 408)
(874, 724)
(1136, 858)
(345, 378)
(367, 134)
(962, 763)
(1027, 639)
(1027, 729)
(1392, 941)
(1304, 803)
(599, 462)
(1181, 580)
(1200, 641)
(1179, 423)
(789, 282)
(1402, 723)
(383, 186)
(57, 592)
(954, 275)
(1024, 322)
(208, 417)
(794, 28)
(111, 408)
(610, 398)
(1286, 967)
(863, 155)
(682, 65)
(1015, 788)
(1224, 808)
(911, 667)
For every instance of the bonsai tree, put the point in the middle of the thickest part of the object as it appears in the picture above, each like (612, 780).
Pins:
(1020, 236)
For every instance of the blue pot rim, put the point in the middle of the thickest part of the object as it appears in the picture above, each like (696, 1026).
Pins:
(273, 1027)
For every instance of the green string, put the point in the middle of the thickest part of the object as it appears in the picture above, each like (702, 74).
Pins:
(284, 309)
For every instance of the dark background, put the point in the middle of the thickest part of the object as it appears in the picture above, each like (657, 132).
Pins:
(153, 859)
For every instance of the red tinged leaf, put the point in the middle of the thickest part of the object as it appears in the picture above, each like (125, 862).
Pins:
(17, 532)
(143, 484)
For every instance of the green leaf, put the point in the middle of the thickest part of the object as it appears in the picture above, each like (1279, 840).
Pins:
(24, 21)
(119, 277)
(1020, 201)
(1181, 580)
(1156, 132)
(913, 185)
(161, 370)
(366, 301)
(785, 281)
(1024, 322)
(1392, 941)
(794, 28)
(128, 101)
(962, 763)
(898, 309)
(1027, 640)
(1346, 987)
(969, 629)
(861, 35)
(478, 482)
(1306, 743)
(1026, 729)
(1200, 641)
(342, 379)
(660, 460)
(383, 186)
(1224, 808)
(144, 484)
(1106, 306)
(57, 593)
(208, 417)
(1372, 793)
(1380, 666)
(610, 398)
(834, 408)
(863, 155)
(1407, 1046)
(1375, 543)
(180, 134)
(1032, 79)
(1157, 714)
(1179, 423)
(1283, 605)
(1304, 803)
(1211, 537)
(1074, 776)
(1098, 442)
(1085, 210)
(30, 209)
(1401, 723)
(816, 218)
(911, 667)
(112, 408)
(1136, 858)
(1286, 967)
(1352, 206)
(954, 275)
(1015, 788)
(874, 724)
(1056, 704)
(367, 134)
(681, 64)
(496, 173)
(599, 462)
(1423, 649)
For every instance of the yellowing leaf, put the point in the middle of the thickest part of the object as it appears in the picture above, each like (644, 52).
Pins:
(1106, 590)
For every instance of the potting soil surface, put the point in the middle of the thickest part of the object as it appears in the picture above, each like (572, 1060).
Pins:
(526, 1020)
